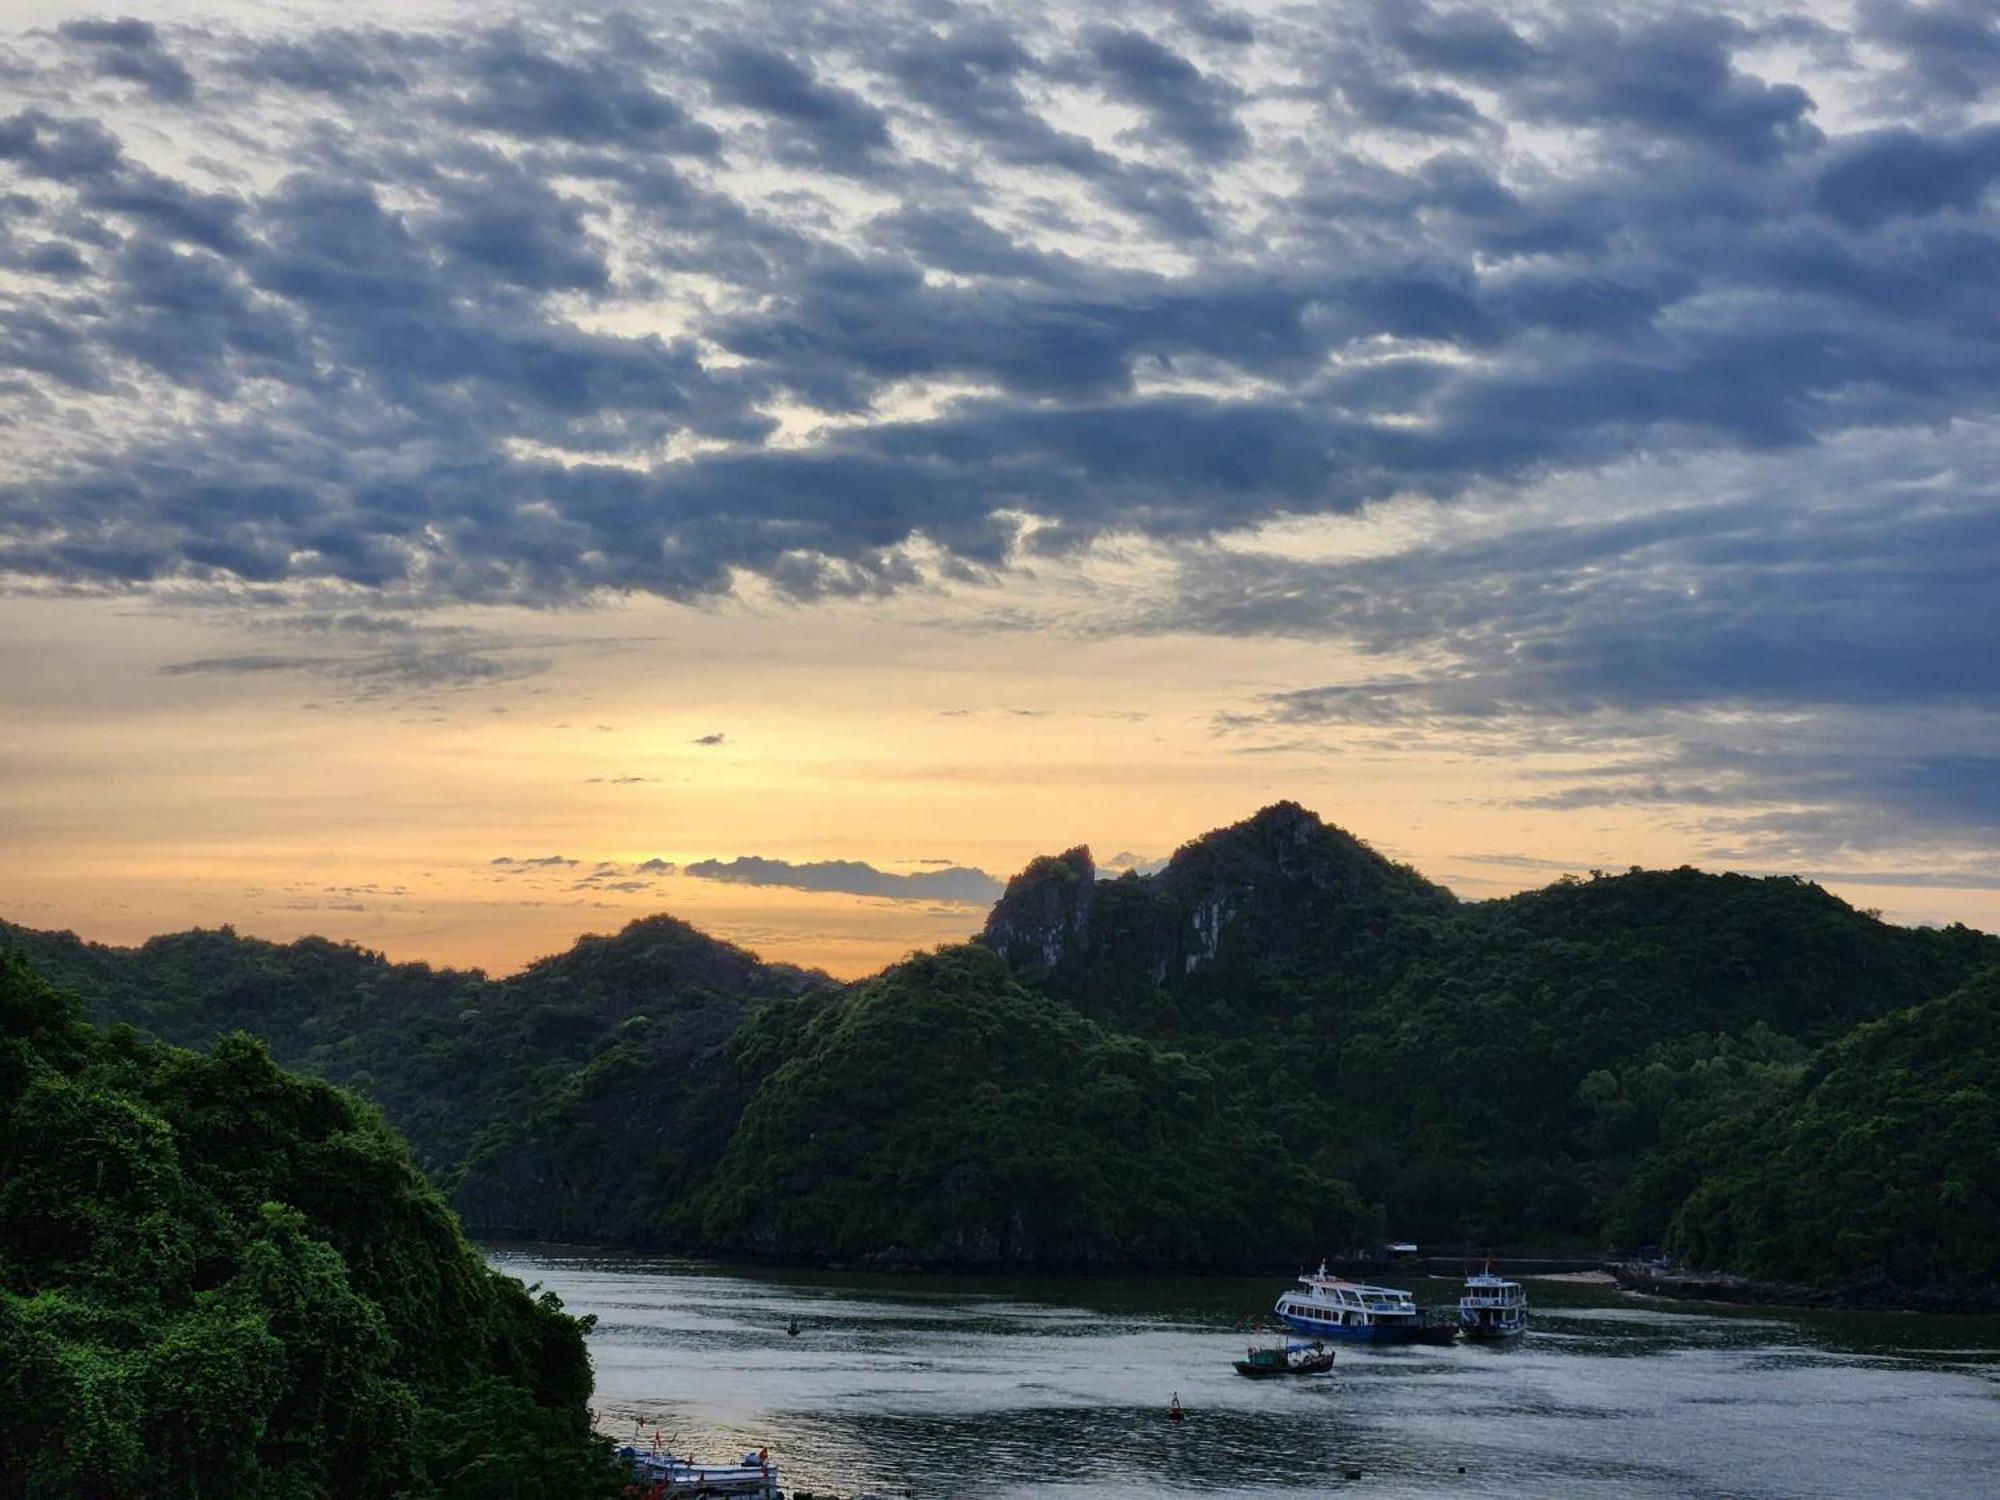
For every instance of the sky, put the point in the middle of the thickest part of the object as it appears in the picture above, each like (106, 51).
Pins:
(475, 475)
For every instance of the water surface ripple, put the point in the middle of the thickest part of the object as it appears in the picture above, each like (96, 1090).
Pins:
(993, 1387)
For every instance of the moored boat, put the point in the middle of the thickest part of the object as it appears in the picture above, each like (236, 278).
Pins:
(1334, 1308)
(1274, 1360)
(1492, 1308)
(669, 1477)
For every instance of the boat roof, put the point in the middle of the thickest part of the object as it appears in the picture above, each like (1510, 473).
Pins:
(1320, 1281)
(1487, 1278)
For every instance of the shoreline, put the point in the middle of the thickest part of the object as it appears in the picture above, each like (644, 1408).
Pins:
(1873, 1295)
(893, 1262)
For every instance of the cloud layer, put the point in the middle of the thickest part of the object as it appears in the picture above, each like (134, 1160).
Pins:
(955, 884)
(1173, 275)
(849, 300)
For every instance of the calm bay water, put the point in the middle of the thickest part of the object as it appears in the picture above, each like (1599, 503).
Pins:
(995, 1387)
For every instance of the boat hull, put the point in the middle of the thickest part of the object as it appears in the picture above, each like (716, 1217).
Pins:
(1486, 1334)
(1373, 1333)
(1318, 1366)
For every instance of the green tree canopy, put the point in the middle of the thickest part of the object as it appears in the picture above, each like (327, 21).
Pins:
(219, 1279)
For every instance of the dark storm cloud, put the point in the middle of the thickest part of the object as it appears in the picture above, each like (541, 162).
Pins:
(1183, 105)
(1388, 103)
(512, 225)
(826, 126)
(516, 83)
(1671, 78)
(1899, 173)
(83, 154)
(64, 150)
(1744, 602)
(131, 50)
(970, 81)
(958, 240)
(188, 318)
(957, 884)
(1814, 802)
(1950, 48)
(1217, 23)
(170, 209)
(332, 63)
(1803, 686)
(1674, 79)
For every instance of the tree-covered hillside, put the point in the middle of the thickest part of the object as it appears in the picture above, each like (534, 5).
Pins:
(1880, 1156)
(1488, 1072)
(217, 1278)
(1276, 1042)
(445, 1053)
(941, 1112)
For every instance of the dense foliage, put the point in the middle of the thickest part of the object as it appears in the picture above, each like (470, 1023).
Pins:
(1220, 1062)
(1879, 1157)
(1502, 1072)
(446, 1054)
(943, 1112)
(217, 1278)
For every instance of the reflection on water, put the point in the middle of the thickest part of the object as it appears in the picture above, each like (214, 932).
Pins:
(939, 1387)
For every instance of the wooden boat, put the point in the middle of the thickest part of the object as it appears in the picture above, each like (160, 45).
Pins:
(1285, 1359)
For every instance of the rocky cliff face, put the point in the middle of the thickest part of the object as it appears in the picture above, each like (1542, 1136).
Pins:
(1280, 884)
(1045, 913)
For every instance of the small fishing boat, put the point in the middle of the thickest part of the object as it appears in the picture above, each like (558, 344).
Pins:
(1334, 1308)
(1286, 1359)
(1492, 1308)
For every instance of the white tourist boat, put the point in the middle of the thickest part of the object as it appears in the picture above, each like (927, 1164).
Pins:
(1492, 1308)
(1332, 1307)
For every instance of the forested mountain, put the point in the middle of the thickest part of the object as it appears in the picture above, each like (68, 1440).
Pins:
(445, 1053)
(1279, 1044)
(1879, 1157)
(218, 1278)
(942, 1109)
(1487, 1071)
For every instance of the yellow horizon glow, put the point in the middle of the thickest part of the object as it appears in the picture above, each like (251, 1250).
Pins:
(137, 800)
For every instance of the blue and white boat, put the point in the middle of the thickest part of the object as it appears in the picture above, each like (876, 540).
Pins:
(1492, 1308)
(1332, 1307)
